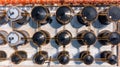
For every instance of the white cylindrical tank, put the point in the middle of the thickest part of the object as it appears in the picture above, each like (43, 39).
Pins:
(16, 38)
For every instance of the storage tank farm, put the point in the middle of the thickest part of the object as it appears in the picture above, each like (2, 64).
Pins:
(59, 33)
